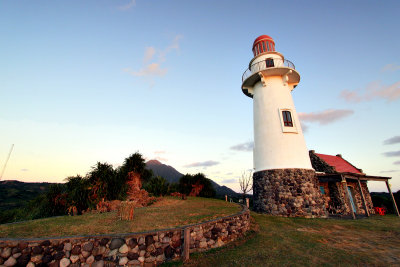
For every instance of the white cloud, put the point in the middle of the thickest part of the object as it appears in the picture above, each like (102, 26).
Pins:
(392, 154)
(325, 117)
(390, 67)
(373, 90)
(207, 163)
(128, 6)
(392, 140)
(229, 181)
(248, 146)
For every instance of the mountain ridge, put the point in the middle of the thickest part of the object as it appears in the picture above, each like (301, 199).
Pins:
(172, 176)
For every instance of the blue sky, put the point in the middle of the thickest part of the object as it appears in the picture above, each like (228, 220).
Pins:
(88, 81)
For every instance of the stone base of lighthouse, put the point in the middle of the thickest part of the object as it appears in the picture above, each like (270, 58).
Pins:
(288, 192)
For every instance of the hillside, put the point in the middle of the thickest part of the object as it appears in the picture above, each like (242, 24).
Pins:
(15, 194)
(172, 176)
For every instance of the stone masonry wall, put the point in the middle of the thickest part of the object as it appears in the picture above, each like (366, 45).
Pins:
(288, 192)
(136, 249)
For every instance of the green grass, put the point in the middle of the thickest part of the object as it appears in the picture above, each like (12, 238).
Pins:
(167, 213)
(276, 241)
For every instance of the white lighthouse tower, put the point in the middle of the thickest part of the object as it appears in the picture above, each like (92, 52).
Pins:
(284, 181)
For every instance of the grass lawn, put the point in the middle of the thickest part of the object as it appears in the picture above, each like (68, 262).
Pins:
(168, 212)
(276, 241)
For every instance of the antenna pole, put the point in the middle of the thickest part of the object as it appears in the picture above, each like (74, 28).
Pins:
(5, 164)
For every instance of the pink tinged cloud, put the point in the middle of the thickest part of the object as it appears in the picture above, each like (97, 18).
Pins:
(392, 154)
(373, 90)
(392, 140)
(153, 69)
(207, 163)
(149, 54)
(391, 67)
(397, 162)
(325, 117)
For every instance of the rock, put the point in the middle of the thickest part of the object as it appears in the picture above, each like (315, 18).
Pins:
(134, 263)
(150, 248)
(58, 255)
(132, 243)
(219, 243)
(36, 259)
(123, 261)
(102, 250)
(142, 247)
(22, 245)
(149, 240)
(116, 243)
(141, 241)
(12, 244)
(132, 256)
(17, 255)
(123, 249)
(88, 247)
(85, 254)
(15, 250)
(30, 264)
(98, 264)
(74, 258)
(47, 258)
(150, 259)
(135, 250)
(113, 253)
(160, 258)
(5, 253)
(203, 244)
(65, 262)
(76, 250)
(54, 264)
(104, 241)
(141, 259)
(98, 257)
(24, 259)
(10, 262)
(37, 250)
(166, 239)
(67, 246)
(169, 252)
(142, 253)
(45, 243)
(90, 259)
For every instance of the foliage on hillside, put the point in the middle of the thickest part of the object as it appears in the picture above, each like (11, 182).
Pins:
(103, 182)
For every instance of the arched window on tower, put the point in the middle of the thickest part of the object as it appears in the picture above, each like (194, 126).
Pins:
(287, 118)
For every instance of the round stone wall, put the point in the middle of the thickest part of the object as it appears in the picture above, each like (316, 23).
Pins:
(288, 192)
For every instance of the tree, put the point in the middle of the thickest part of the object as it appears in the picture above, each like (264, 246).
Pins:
(78, 192)
(105, 182)
(157, 186)
(187, 181)
(246, 183)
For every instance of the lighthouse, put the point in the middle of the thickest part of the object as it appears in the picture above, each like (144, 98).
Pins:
(284, 182)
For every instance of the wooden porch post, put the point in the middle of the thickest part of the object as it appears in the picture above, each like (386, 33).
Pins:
(363, 198)
(393, 200)
(348, 197)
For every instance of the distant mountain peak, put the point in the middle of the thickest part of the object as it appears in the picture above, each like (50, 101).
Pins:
(154, 162)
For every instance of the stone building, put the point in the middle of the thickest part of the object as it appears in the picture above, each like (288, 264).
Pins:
(343, 186)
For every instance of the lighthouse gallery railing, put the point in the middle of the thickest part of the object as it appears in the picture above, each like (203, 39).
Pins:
(266, 64)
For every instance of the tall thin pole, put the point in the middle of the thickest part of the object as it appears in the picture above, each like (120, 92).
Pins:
(5, 164)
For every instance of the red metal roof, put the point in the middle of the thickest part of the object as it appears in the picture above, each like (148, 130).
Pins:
(262, 37)
(339, 163)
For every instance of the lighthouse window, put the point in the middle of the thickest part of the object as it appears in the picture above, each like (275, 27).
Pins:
(269, 62)
(264, 46)
(268, 46)
(287, 118)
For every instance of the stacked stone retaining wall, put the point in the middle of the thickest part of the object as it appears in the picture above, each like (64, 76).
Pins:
(134, 249)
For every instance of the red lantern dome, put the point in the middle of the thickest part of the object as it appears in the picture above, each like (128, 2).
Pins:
(263, 44)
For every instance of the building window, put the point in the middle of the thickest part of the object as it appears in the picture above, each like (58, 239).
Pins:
(322, 189)
(287, 118)
(269, 62)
